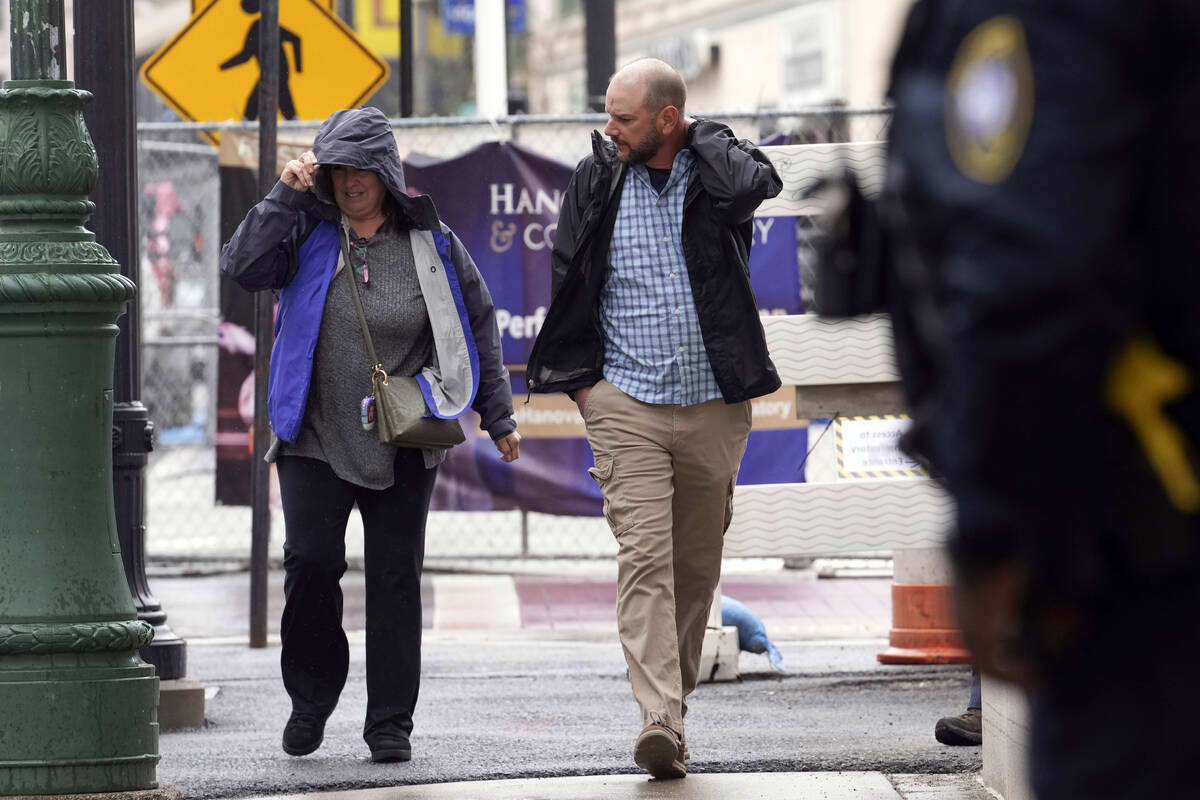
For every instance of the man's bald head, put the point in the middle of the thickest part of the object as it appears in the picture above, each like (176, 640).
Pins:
(646, 122)
(660, 84)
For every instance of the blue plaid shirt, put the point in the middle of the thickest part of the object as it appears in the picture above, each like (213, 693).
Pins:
(653, 350)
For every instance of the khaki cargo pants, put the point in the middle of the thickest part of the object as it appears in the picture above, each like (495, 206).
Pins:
(667, 473)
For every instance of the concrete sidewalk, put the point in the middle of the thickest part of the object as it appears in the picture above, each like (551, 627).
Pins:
(725, 786)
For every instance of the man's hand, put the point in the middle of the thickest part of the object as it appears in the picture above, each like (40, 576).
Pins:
(300, 173)
(581, 396)
(989, 606)
(509, 447)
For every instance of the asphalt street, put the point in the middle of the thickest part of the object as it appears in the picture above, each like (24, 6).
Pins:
(544, 702)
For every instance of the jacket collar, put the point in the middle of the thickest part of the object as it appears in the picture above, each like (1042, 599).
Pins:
(604, 150)
(421, 211)
(605, 153)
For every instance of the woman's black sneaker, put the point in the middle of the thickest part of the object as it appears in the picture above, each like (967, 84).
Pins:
(390, 748)
(303, 734)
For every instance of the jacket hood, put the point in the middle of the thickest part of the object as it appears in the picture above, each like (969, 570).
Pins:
(359, 138)
(362, 138)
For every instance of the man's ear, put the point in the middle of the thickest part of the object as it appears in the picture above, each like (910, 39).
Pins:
(668, 119)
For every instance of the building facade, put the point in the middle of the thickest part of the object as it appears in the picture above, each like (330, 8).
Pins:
(736, 55)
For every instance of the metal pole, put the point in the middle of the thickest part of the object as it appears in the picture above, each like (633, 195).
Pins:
(491, 61)
(77, 706)
(260, 526)
(600, 33)
(406, 58)
(104, 65)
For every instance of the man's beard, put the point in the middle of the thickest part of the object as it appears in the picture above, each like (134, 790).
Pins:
(648, 148)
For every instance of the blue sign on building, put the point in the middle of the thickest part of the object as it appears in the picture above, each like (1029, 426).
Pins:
(515, 10)
(458, 16)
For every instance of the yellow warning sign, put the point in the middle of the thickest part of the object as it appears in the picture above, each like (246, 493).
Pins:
(869, 447)
(198, 4)
(378, 23)
(208, 71)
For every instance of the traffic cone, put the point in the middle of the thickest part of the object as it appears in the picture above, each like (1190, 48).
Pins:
(923, 627)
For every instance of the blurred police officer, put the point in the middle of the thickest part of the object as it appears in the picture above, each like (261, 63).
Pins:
(1044, 167)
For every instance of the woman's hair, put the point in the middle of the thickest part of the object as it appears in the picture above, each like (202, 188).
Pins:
(395, 214)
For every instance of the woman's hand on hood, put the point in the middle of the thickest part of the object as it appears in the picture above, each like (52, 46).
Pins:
(300, 173)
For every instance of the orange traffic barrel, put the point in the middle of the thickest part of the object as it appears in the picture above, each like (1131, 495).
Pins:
(923, 627)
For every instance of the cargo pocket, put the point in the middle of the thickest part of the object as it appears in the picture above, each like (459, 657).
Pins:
(602, 474)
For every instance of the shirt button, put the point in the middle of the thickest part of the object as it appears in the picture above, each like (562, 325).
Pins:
(665, 239)
(677, 311)
(672, 275)
(681, 349)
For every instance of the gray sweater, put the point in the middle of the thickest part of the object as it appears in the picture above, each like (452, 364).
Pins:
(332, 430)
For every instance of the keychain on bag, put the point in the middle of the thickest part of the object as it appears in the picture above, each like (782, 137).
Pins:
(367, 409)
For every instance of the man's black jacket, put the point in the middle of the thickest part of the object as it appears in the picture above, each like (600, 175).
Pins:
(729, 180)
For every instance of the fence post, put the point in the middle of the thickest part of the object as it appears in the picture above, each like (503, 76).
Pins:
(260, 474)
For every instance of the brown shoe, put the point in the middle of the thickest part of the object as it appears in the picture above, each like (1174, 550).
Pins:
(658, 752)
(965, 730)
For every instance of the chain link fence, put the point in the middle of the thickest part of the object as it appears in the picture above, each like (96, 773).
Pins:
(179, 212)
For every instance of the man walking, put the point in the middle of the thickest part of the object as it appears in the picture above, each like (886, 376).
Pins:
(654, 332)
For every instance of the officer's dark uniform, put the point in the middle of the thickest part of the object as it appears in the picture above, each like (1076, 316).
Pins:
(1043, 198)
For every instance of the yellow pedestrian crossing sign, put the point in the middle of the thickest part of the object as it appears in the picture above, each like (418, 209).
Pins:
(198, 4)
(208, 71)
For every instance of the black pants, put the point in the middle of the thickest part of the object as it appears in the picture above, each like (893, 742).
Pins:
(316, 657)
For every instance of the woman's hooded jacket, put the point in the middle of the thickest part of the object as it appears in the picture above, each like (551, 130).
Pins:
(290, 242)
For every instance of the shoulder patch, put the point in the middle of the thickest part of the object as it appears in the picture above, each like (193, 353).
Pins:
(989, 100)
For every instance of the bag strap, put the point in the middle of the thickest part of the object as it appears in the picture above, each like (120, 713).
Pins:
(376, 364)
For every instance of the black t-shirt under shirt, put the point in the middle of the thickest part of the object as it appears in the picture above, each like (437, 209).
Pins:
(658, 177)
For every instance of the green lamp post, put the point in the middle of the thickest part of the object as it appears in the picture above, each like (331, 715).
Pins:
(78, 709)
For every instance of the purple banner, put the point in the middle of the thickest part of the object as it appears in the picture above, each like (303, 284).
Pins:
(551, 475)
(503, 202)
(774, 270)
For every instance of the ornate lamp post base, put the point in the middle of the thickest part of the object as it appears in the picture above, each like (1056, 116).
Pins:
(77, 713)
(78, 709)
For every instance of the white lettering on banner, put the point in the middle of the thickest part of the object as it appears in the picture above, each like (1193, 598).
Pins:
(556, 416)
(506, 197)
(502, 236)
(767, 409)
(762, 229)
(536, 236)
(520, 326)
(503, 195)
(543, 234)
(546, 416)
